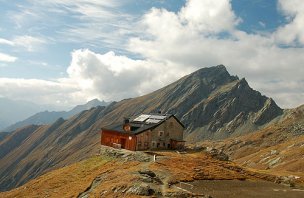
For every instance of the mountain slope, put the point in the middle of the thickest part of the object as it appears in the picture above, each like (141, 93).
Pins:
(46, 147)
(276, 148)
(15, 139)
(211, 102)
(48, 117)
(3, 135)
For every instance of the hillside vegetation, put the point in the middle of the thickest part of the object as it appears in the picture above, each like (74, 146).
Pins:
(121, 173)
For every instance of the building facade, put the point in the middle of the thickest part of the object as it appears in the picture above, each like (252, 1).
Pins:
(146, 132)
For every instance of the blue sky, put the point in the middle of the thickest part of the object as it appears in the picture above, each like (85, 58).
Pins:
(258, 15)
(26, 18)
(67, 52)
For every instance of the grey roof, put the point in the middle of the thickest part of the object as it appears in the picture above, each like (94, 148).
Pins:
(143, 122)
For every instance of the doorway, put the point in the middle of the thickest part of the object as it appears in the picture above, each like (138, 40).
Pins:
(123, 143)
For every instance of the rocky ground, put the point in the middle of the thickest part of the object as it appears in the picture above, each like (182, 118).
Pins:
(122, 173)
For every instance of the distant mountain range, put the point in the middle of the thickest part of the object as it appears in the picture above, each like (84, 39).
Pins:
(210, 102)
(13, 111)
(48, 117)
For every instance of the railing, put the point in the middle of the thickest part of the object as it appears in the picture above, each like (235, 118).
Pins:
(183, 189)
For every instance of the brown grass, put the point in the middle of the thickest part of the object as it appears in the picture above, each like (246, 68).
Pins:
(117, 176)
(64, 182)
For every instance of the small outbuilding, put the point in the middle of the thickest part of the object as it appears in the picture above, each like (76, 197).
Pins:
(145, 132)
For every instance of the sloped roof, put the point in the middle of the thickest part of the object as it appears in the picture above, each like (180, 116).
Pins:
(143, 122)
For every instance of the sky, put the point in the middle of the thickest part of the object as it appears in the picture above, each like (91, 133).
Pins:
(66, 52)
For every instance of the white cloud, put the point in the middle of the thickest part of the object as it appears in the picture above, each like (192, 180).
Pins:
(93, 22)
(209, 15)
(286, 93)
(40, 91)
(105, 76)
(6, 42)
(202, 33)
(7, 58)
(30, 43)
(167, 37)
(113, 77)
(293, 32)
(91, 75)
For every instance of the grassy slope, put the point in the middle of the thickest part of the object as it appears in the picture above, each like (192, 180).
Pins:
(115, 176)
(64, 182)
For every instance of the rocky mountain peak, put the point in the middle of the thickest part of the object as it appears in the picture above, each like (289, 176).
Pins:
(230, 105)
(95, 102)
(243, 82)
(213, 76)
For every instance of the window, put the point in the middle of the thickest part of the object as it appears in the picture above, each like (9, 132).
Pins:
(158, 144)
(161, 133)
(139, 144)
(153, 144)
(146, 143)
(164, 144)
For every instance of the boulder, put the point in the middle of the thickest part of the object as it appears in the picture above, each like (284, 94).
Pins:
(219, 155)
(141, 189)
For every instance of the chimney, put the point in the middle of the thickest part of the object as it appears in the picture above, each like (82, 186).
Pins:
(126, 125)
(126, 120)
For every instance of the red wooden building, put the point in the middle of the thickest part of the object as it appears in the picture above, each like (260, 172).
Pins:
(145, 132)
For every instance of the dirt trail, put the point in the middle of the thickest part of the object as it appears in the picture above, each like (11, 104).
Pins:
(164, 176)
